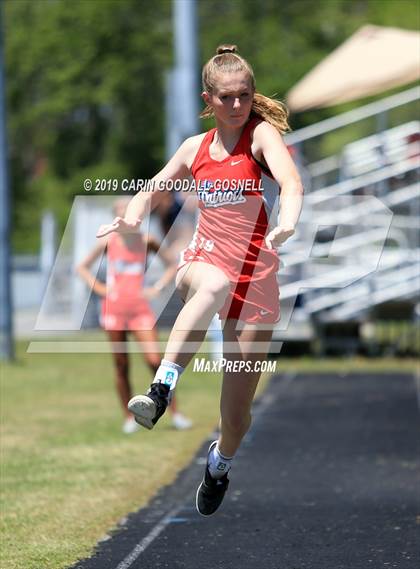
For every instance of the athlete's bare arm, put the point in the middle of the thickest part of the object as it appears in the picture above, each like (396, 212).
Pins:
(268, 141)
(83, 268)
(177, 168)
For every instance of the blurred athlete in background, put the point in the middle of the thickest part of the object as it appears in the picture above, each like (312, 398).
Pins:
(125, 306)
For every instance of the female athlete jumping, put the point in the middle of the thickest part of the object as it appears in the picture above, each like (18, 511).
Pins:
(231, 264)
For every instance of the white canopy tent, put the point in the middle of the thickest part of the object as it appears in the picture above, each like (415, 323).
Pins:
(372, 60)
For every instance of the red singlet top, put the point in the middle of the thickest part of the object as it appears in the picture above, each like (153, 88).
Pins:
(233, 219)
(125, 270)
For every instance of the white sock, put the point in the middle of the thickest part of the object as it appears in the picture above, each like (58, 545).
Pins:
(219, 465)
(168, 373)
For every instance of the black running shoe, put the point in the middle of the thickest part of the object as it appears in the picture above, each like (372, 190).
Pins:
(147, 409)
(211, 491)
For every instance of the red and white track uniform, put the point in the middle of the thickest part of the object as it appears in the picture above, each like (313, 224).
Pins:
(124, 307)
(233, 222)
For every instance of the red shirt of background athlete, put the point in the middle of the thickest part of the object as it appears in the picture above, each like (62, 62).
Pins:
(230, 234)
(124, 307)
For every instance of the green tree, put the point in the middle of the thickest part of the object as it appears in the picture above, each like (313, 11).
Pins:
(85, 95)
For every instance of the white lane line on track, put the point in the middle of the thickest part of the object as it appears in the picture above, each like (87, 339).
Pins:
(150, 537)
(127, 562)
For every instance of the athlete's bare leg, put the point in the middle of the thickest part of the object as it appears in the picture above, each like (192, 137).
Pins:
(121, 363)
(238, 389)
(204, 289)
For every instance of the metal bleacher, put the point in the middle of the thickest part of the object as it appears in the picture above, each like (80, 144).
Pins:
(357, 244)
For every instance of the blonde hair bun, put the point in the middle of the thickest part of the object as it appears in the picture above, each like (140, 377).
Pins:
(226, 48)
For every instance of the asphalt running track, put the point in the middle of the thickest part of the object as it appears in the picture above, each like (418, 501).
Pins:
(327, 478)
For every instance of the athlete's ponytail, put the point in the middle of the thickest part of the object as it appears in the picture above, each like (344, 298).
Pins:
(227, 60)
(271, 110)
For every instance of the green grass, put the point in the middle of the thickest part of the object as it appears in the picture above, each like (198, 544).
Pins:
(69, 474)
